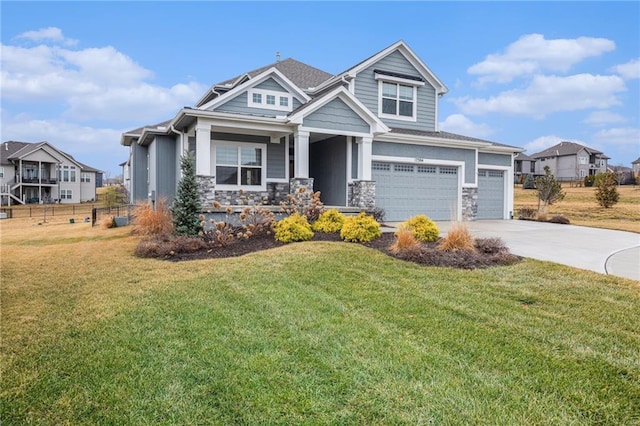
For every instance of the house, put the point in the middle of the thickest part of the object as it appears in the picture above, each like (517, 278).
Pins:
(41, 173)
(635, 165)
(365, 138)
(570, 161)
(523, 165)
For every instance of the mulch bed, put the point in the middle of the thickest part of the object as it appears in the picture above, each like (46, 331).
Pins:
(489, 252)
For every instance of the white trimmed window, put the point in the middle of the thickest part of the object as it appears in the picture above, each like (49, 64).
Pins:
(85, 177)
(240, 166)
(397, 97)
(66, 194)
(269, 99)
(583, 160)
(68, 174)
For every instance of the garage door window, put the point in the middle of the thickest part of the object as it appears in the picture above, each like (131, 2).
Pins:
(407, 168)
(381, 166)
(449, 170)
(427, 169)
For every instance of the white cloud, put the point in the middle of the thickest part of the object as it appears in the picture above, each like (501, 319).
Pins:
(618, 136)
(458, 123)
(94, 83)
(52, 34)
(599, 118)
(628, 71)
(532, 53)
(549, 94)
(544, 142)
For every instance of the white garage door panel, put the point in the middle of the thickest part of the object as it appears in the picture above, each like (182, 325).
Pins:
(491, 194)
(405, 190)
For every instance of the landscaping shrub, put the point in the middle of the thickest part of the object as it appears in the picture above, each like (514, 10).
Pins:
(527, 213)
(589, 180)
(109, 222)
(378, 214)
(304, 202)
(490, 246)
(529, 182)
(458, 238)
(422, 228)
(256, 220)
(186, 205)
(148, 220)
(405, 242)
(360, 228)
(330, 221)
(168, 245)
(559, 219)
(293, 228)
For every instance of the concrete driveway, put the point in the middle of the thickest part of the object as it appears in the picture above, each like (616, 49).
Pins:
(600, 250)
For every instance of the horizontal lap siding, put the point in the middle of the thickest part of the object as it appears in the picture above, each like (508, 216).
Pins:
(271, 84)
(430, 153)
(494, 159)
(238, 105)
(366, 90)
(336, 115)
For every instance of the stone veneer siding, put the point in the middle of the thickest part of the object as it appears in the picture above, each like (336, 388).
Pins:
(469, 204)
(362, 193)
(206, 190)
(275, 193)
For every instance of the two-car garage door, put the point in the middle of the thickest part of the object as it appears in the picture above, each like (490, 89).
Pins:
(405, 190)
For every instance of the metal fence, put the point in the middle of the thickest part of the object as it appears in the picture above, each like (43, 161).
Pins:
(118, 212)
(47, 210)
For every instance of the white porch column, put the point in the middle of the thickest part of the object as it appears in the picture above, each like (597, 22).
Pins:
(301, 152)
(203, 150)
(364, 157)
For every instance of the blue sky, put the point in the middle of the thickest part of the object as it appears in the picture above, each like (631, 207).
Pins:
(528, 74)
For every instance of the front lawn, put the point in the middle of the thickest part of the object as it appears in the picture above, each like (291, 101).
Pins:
(312, 333)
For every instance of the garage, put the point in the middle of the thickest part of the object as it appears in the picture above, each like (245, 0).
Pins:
(491, 194)
(405, 190)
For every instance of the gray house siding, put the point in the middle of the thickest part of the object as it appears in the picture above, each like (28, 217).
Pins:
(236, 137)
(153, 169)
(336, 115)
(139, 188)
(327, 166)
(271, 84)
(494, 159)
(354, 160)
(276, 160)
(430, 153)
(366, 90)
(238, 104)
(166, 167)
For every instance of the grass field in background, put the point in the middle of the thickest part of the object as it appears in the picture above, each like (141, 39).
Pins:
(581, 208)
(314, 333)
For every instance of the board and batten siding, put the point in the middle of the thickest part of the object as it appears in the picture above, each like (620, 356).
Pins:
(336, 115)
(366, 90)
(139, 173)
(165, 167)
(468, 156)
(494, 159)
(328, 167)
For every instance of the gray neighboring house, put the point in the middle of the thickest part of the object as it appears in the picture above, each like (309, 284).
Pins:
(41, 173)
(635, 166)
(367, 137)
(523, 165)
(570, 161)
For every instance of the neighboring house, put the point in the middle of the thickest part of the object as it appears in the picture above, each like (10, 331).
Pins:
(571, 161)
(41, 173)
(624, 174)
(367, 137)
(523, 165)
(635, 165)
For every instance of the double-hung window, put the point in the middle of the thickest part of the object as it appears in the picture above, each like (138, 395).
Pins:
(66, 194)
(240, 166)
(397, 96)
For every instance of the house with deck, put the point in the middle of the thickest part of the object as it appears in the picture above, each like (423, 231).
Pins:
(570, 161)
(41, 173)
(365, 138)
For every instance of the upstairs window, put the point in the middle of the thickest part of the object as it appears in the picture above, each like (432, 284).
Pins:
(85, 177)
(397, 95)
(269, 99)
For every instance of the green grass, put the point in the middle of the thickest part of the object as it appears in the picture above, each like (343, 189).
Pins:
(313, 333)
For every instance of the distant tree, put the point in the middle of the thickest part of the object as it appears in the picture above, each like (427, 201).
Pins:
(186, 205)
(549, 190)
(607, 189)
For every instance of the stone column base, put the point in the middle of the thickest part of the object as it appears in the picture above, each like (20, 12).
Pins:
(469, 204)
(362, 194)
(206, 190)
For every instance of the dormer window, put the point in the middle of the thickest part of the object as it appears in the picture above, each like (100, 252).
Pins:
(269, 99)
(397, 95)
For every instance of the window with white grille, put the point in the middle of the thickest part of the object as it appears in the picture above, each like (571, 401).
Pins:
(407, 168)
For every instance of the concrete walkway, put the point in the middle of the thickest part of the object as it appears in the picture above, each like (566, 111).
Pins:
(600, 250)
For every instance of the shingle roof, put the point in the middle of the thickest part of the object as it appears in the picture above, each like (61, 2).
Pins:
(564, 148)
(446, 135)
(636, 162)
(9, 150)
(14, 149)
(302, 75)
(523, 157)
(139, 130)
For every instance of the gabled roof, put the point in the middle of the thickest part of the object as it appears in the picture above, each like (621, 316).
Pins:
(451, 137)
(160, 128)
(523, 157)
(401, 47)
(13, 150)
(302, 75)
(565, 148)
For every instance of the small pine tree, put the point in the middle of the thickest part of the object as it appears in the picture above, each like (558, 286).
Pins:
(606, 189)
(549, 189)
(529, 182)
(186, 205)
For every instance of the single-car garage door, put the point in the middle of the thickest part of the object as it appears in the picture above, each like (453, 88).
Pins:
(490, 194)
(405, 190)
